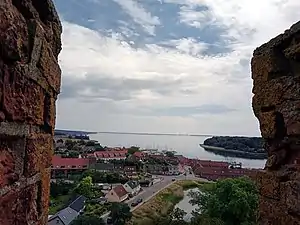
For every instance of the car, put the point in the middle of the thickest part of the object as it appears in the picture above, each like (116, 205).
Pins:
(173, 179)
(134, 204)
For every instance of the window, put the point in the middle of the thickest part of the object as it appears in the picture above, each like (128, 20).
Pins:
(85, 166)
(73, 166)
(62, 166)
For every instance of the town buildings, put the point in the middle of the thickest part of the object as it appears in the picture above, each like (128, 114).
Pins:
(102, 167)
(109, 155)
(130, 170)
(117, 194)
(212, 170)
(65, 166)
(132, 187)
(68, 214)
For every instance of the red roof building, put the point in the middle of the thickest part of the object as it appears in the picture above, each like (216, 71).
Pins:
(117, 194)
(183, 160)
(110, 155)
(139, 155)
(216, 173)
(59, 163)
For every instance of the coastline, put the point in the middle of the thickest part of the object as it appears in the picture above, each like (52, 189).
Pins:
(233, 153)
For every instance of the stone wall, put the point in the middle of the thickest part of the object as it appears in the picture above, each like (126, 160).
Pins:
(276, 104)
(29, 84)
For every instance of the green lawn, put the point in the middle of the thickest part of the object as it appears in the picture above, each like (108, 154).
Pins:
(170, 197)
(58, 203)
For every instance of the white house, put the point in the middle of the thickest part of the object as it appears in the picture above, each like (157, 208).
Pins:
(132, 187)
(173, 170)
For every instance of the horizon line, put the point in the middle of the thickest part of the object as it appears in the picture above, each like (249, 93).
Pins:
(150, 133)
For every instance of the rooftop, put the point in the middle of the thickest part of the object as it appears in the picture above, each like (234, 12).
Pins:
(57, 162)
(120, 191)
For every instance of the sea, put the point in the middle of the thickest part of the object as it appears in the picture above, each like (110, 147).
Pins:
(184, 145)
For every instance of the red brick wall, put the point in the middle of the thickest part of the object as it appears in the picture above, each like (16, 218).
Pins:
(276, 73)
(29, 84)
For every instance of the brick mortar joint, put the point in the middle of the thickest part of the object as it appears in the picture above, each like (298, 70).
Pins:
(22, 183)
(19, 129)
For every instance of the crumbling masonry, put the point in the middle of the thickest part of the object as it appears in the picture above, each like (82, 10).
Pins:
(276, 104)
(30, 33)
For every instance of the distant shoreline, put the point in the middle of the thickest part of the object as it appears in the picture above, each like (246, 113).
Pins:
(137, 133)
(233, 153)
(154, 134)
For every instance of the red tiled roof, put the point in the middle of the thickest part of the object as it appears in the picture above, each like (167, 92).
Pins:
(208, 163)
(120, 191)
(139, 154)
(221, 172)
(111, 154)
(90, 155)
(78, 162)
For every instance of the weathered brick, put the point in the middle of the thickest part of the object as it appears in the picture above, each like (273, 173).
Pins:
(275, 73)
(18, 207)
(12, 150)
(38, 153)
(49, 67)
(23, 100)
(49, 111)
(7, 168)
(29, 83)
(268, 184)
(44, 192)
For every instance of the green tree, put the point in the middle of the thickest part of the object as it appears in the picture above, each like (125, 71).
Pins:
(95, 209)
(120, 213)
(233, 201)
(88, 220)
(178, 214)
(73, 154)
(60, 188)
(133, 149)
(85, 187)
(170, 154)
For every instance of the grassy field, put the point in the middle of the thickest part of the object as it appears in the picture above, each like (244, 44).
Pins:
(58, 203)
(163, 203)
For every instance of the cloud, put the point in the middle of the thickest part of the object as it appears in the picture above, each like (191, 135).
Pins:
(139, 15)
(105, 87)
(209, 109)
(173, 66)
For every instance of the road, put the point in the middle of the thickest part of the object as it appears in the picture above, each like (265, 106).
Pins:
(149, 192)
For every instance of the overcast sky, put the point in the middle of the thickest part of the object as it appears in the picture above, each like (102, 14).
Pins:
(164, 65)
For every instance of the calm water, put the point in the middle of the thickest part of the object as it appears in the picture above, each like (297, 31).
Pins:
(185, 145)
(186, 206)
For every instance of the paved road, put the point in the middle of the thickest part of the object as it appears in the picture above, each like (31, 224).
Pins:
(151, 191)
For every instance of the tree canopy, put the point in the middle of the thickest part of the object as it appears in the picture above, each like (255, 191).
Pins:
(133, 149)
(88, 220)
(120, 213)
(170, 154)
(233, 201)
(85, 187)
(60, 188)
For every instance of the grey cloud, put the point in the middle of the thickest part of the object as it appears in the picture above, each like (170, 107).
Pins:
(117, 89)
(194, 110)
